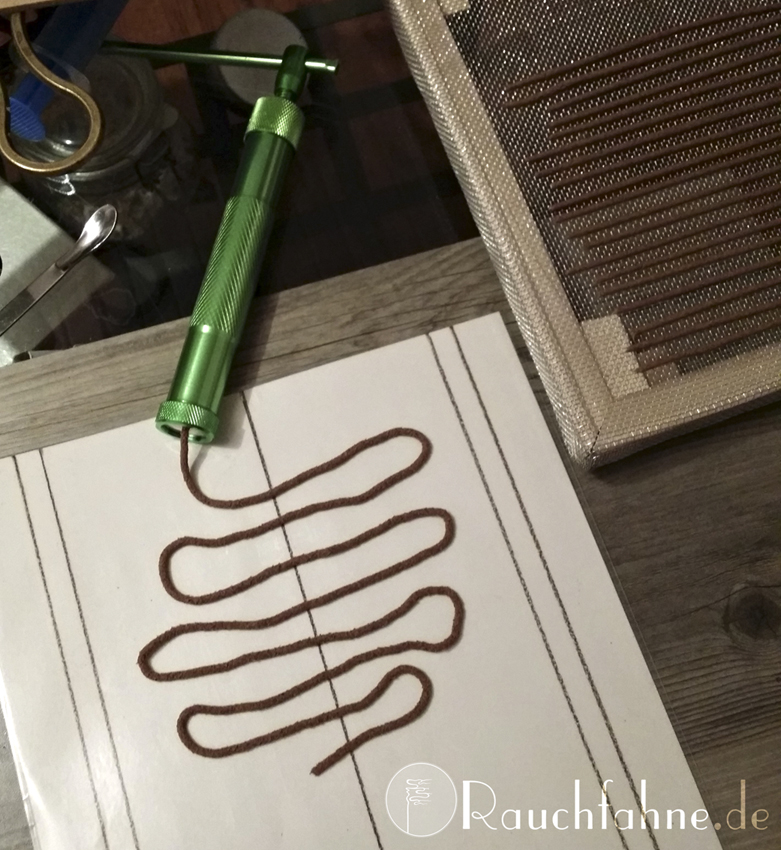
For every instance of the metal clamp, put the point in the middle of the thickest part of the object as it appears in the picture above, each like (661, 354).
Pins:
(37, 68)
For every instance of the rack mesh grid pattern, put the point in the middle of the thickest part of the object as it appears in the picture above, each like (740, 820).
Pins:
(629, 204)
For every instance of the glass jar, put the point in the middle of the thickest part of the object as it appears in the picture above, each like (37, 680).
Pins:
(144, 162)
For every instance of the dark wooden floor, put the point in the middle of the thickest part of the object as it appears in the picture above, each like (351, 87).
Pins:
(371, 181)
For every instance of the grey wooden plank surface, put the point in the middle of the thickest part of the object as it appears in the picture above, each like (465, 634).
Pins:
(69, 394)
(693, 536)
(14, 833)
(690, 529)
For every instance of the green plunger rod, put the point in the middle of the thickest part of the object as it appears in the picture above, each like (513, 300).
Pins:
(229, 283)
(162, 54)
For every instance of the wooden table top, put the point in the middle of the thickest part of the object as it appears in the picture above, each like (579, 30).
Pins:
(690, 529)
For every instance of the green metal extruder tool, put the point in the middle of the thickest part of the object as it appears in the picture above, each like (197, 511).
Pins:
(229, 283)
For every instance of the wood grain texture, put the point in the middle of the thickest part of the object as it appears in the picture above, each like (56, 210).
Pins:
(692, 532)
(690, 529)
(64, 395)
(175, 19)
(14, 832)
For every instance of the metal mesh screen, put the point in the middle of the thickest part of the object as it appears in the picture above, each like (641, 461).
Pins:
(652, 173)
(621, 162)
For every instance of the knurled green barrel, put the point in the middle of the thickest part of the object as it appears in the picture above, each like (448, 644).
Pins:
(231, 275)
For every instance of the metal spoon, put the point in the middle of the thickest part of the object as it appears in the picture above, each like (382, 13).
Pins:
(97, 229)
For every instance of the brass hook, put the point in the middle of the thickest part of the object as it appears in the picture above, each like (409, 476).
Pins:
(68, 163)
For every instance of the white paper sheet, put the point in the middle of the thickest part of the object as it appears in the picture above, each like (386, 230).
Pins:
(546, 690)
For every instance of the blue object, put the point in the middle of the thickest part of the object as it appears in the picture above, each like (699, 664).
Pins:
(70, 38)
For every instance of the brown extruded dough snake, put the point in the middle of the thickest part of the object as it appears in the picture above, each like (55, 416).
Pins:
(148, 653)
